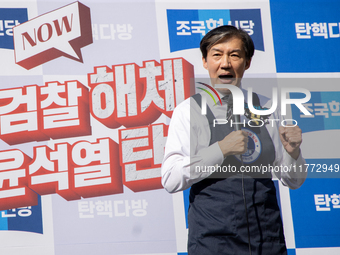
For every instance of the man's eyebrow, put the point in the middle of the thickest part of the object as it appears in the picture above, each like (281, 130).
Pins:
(217, 49)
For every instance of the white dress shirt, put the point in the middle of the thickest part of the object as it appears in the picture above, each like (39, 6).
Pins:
(187, 147)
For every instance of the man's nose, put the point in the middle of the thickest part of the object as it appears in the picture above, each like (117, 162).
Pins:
(225, 61)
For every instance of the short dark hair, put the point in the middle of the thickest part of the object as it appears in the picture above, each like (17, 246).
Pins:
(222, 33)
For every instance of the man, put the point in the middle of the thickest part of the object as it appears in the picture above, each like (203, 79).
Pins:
(233, 213)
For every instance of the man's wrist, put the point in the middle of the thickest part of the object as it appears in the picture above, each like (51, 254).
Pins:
(295, 154)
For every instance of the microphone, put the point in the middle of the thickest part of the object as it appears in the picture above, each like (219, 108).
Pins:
(236, 117)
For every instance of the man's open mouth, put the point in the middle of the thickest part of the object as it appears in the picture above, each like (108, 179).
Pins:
(226, 77)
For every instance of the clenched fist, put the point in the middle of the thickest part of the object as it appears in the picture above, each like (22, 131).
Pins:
(291, 138)
(234, 143)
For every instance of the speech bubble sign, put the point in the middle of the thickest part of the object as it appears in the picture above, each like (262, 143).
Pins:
(61, 32)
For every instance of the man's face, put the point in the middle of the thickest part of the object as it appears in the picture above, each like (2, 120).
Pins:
(226, 63)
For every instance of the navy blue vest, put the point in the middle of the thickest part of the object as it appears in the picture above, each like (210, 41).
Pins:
(217, 217)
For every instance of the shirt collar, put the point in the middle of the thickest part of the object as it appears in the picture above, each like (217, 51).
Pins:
(245, 94)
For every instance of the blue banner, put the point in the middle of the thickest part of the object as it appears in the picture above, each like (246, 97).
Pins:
(316, 211)
(10, 17)
(306, 35)
(23, 219)
(325, 110)
(187, 27)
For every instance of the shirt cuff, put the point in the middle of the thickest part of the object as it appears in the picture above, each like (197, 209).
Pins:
(212, 155)
(298, 174)
(208, 157)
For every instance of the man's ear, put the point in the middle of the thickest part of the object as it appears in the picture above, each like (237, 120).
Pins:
(248, 62)
(205, 64)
